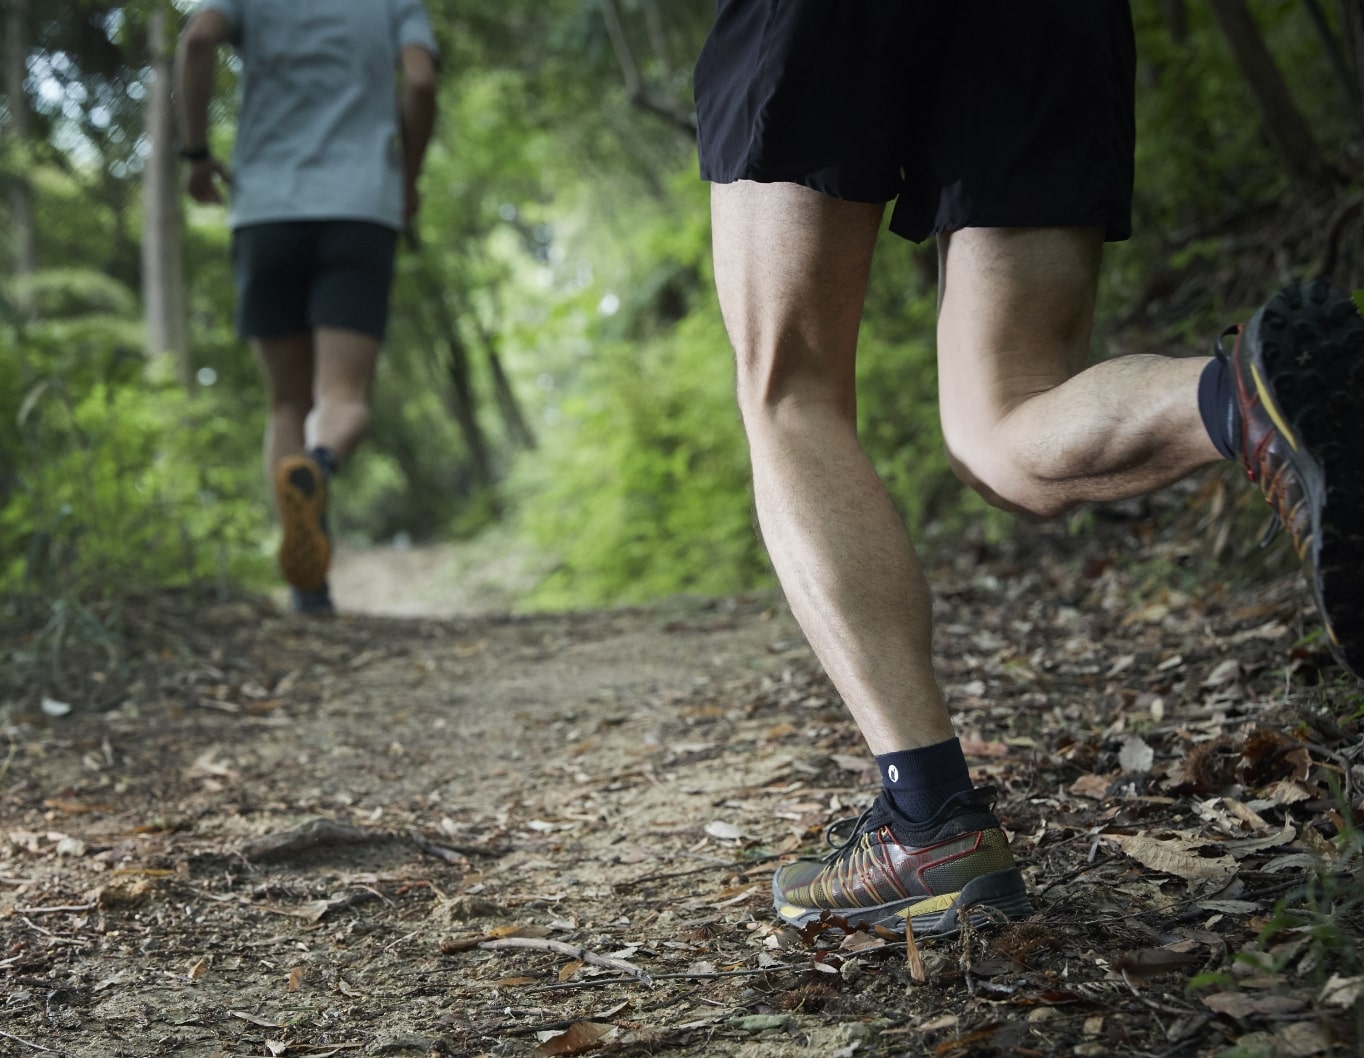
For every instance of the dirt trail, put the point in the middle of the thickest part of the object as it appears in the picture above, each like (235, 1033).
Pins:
(607, 794)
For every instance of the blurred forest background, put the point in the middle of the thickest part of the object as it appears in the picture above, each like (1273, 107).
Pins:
(557, 372)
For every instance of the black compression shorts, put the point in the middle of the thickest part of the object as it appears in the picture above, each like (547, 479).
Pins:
(295, 276)
(966, 113)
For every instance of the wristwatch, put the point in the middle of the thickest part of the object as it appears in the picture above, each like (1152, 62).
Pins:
(195, 154)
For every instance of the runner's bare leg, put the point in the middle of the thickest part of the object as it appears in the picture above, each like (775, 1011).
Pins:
(1026, 421)
(346, 361)
(791, 267)
(287, 366)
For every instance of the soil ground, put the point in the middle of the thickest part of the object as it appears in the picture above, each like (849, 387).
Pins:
(237, 832)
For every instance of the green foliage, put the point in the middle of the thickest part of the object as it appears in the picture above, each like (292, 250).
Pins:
(565, 231)
(114, 477)
(1329, 908)
(644, 491)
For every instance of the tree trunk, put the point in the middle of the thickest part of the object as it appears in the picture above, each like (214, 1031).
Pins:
(517, 426)
(163, 267)
(1283, 123)
(462, 402)
(513, 418)
(1335, 55)
(1352, 28)
(21, 196)
(1176, 16)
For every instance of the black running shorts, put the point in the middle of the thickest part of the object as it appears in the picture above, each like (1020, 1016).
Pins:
(966, 113)
(295, 276)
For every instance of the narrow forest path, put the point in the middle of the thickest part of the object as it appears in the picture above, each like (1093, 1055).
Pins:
(478, 834)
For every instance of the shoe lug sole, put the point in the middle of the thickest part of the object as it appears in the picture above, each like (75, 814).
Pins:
(1001, 891)
(304, 551)
(1327, 324)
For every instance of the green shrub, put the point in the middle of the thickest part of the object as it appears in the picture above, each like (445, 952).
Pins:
(115, 478)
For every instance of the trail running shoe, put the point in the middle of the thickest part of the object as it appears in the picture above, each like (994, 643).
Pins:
(891, 872)
(312, 603)
(305, 551)
(1298, 366)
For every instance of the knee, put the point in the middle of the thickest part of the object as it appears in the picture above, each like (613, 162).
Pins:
(291, 405)
(1005, 478)
(776, 385)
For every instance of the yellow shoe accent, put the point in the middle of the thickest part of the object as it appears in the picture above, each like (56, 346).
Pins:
(932, 906)
(304, 552)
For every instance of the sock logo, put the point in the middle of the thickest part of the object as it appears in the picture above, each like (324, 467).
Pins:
(893, 773)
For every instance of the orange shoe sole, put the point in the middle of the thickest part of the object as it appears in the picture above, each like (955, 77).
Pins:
(305, 552)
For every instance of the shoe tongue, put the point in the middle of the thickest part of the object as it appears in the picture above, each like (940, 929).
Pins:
(881, 812)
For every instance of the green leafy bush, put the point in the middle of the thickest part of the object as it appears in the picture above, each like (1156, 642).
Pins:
(115, 478)
(646, 494)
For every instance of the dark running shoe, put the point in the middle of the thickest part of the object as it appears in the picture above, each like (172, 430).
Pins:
(890, 872)
(305, 551)
(1298, 366)
(312, 603)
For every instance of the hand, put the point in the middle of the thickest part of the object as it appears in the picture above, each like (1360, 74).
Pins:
(203, 181)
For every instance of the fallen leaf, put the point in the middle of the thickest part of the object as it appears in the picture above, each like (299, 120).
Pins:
(1094, 787)
(1244, 1004)
(1176, 856)
(965, 1043)
(860, 941)
(761, 1022)
(974, 747)
(1141, 966)
(1299, 1040)
(914, 959)
(1343, 992)
(276, 1047)
(251, 1019)
(1136, 757)
(1241, 847)
(75, 808)
(1227, 672)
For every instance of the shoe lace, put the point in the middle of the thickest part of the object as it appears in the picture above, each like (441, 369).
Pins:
(853, 825)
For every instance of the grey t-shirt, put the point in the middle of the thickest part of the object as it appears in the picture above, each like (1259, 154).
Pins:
(318, 133)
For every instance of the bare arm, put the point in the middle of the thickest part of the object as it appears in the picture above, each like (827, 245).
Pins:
(195, 69)
(417, 113)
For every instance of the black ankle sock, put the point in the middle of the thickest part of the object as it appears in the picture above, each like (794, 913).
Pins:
(1217, 405)
(921, 781)
(326, 459)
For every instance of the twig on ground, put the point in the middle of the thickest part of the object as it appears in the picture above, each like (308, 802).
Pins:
(665, 876)
(454, 854)
(1070, 876)
(602, 982)
(315, 834)
(573, 952)
(33, 1046)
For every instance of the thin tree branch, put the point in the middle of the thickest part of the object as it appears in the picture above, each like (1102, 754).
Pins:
(573, 952)
(634, 83)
